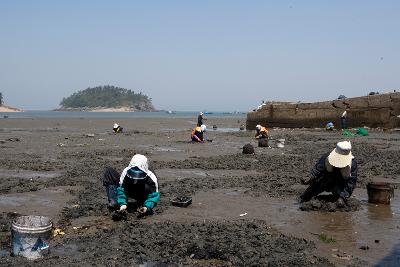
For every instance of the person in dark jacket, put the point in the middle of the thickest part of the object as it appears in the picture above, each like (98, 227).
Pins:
(200, 119)
(136, 181)
(343, 120)
(335, 172)
(117, 128)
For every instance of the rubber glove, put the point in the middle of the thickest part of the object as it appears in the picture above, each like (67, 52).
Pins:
(341, 202)
(142, 210)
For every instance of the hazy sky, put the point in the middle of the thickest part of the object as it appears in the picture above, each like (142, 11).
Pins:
(198, 55)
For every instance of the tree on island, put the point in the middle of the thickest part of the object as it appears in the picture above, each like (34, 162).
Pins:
(108, 97)
(1, 98)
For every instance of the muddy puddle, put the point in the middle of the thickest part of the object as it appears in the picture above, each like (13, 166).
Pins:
(166, 149)
(225, 130)
(47, 202)
(26, 174)
(168, 174)
(370, 234)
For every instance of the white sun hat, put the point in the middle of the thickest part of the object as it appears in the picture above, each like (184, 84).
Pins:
(258, 127)
(341, 156)
(116, 125)
(201, 113)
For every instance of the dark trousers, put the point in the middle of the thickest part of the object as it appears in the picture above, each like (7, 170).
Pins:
(111, 177)
(343, 122)
(111, 182)
(329, 183)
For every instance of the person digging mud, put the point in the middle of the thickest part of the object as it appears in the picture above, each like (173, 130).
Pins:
(200, 119)
(335, 172)
(198, 133)
(137, 182)
(261, 132)
(117, 128)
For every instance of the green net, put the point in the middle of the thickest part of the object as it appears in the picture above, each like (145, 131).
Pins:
(362, 131)
(348, 133)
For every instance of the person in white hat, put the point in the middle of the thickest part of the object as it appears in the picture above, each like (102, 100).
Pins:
(117, 128)
(136, 181)
(335, 172)
(200, 119)
(261, 132)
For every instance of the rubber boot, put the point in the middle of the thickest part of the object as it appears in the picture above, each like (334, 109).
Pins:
(112, 196)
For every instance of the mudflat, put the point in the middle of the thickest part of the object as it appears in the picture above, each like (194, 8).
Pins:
(245, 209)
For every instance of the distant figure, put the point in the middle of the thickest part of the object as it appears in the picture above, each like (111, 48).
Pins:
(335, 172)
(329, 126)
(198, 134)
(200, 119)
(343, 120)
(261, 132)
(117, 128)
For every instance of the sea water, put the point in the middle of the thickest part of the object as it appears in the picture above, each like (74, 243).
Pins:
(85, 114)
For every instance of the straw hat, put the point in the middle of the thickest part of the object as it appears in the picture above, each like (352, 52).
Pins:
(341, 156)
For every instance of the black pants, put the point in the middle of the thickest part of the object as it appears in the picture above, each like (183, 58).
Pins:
(111, 177)
(343, 122)
(328, 183)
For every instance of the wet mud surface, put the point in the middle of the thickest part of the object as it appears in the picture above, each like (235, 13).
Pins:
(329, 203)
(175, 235)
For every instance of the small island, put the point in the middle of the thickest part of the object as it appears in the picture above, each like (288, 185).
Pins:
(4, 108)
(106, 99)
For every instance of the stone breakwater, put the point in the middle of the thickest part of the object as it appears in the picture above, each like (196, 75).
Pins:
(381, 110)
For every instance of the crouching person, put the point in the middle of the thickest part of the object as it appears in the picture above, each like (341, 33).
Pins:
(136, 182)
(117, 128)
(335, 172)
(198, 133)
(261, 132)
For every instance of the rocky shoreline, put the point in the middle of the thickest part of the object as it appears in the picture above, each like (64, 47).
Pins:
(4, 108)
(105, 109)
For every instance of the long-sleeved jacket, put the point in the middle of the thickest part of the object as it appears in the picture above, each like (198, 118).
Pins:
(320, 171)
(197, 134)
(262, 133)
(142, 189)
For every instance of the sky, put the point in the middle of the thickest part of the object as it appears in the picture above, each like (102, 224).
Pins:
(223, 55)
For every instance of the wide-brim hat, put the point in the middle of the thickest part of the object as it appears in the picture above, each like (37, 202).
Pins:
(341, 156)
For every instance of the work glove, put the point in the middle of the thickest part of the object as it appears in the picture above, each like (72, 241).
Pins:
(123, 207)
(142, 210)
(341, 203)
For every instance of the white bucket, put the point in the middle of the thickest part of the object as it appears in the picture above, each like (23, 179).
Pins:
(31, 236)
(280, 143)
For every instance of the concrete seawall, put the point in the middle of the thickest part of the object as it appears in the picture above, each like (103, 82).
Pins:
(382, 110)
